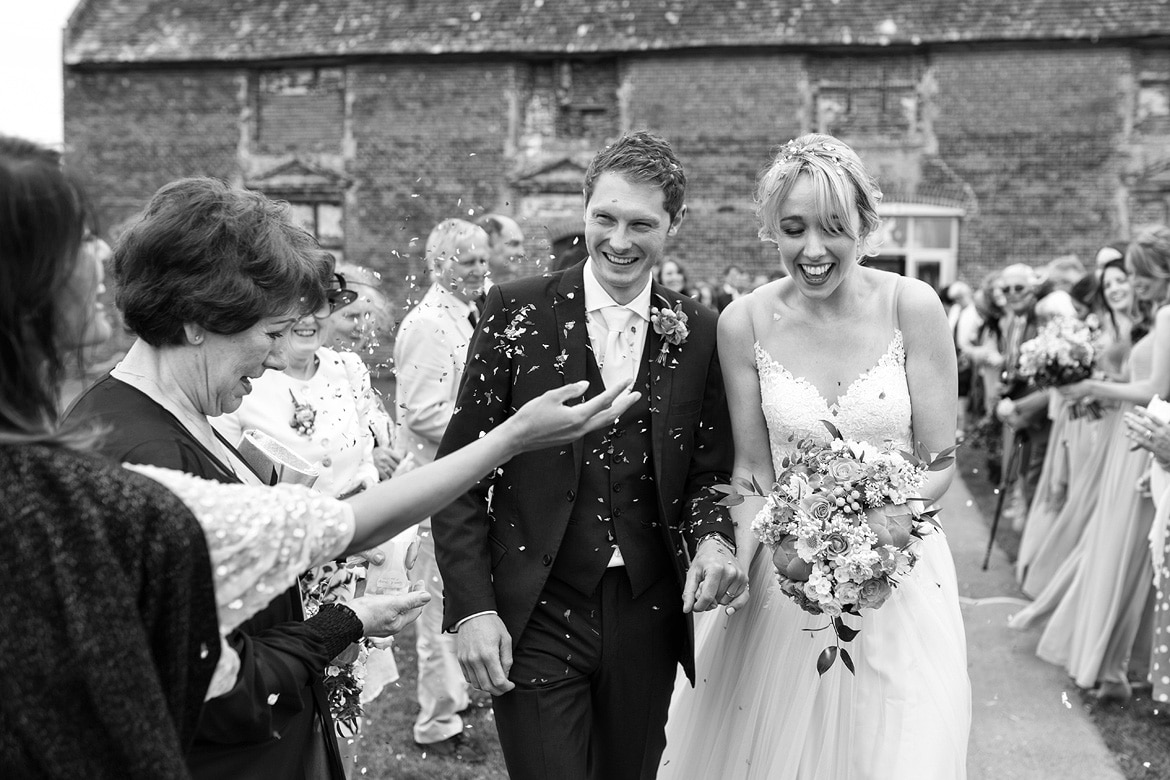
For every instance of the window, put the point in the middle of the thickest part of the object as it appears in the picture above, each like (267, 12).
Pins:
(571, 100)
(325, 221)
(300, 109)
(1152, 68)
(920, 241)
(866, 96)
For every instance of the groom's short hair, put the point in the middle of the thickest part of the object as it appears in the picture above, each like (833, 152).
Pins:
(642, 157)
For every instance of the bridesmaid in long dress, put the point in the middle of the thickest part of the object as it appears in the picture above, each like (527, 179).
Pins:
(1103, 591)
(1154, 435)
(1053, 529)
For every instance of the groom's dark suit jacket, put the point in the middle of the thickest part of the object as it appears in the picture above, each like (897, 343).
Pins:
(497, 543)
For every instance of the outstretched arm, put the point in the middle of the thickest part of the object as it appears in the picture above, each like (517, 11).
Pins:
(1139, 391)
(391, 507)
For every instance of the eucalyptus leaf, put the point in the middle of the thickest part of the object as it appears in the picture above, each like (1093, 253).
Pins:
(846, 633)
(848, 661)
(826, 659)
(836, 434)
(940, 463)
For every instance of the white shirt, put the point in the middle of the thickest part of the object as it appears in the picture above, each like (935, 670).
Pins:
(596, 299)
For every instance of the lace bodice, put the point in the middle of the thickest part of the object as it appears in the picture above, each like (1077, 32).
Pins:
(875, 407)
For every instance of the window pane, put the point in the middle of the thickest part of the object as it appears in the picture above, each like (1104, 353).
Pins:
(930, 272)
(933, 232)
(893, 233)
(303, 215)
(330, 228)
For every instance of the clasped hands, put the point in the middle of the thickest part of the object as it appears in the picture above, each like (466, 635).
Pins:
(1149, 433)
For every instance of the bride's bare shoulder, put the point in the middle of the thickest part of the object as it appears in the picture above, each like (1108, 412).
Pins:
(751, 313)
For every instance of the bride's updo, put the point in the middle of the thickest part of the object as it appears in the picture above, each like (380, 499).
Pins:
(840, 184)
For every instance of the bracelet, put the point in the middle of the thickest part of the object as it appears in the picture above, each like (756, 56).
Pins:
(728, 546)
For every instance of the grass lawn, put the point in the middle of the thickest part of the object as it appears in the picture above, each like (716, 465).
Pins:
(1137, 732)
(387, 748)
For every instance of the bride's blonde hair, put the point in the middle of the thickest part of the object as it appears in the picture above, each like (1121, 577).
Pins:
(840, 184)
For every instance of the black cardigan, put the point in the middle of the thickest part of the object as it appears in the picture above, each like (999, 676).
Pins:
(108, 635)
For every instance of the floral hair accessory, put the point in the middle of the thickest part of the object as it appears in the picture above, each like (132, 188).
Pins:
(796, 150)
(671, 325)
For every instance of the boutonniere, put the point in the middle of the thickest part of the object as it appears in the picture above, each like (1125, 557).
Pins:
(516, 328)
(671, 325)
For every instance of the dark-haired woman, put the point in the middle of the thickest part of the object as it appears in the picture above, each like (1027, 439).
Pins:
(120, 590)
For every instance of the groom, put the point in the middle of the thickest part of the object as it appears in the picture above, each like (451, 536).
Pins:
(570, 572)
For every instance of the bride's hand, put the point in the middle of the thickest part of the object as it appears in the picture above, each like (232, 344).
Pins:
(547, 420)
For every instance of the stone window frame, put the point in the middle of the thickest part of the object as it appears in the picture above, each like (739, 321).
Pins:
(891, 92)
(566, 109)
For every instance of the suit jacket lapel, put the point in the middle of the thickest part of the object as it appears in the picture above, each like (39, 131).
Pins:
(572, 336)
(661, 379)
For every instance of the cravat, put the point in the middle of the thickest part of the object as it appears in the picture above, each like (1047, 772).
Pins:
(617, 362)
(473, 317)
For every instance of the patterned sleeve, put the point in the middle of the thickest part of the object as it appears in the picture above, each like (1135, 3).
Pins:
(259, 538)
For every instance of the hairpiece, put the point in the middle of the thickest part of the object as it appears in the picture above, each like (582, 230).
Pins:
(795, 150)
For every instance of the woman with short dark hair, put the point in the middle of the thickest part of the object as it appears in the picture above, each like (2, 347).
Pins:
(128, 576)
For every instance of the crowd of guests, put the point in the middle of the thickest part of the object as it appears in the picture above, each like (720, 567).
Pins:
(181, 611)
(1083, 464)
(736, 283)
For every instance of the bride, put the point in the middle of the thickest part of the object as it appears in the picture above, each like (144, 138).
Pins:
(869, 351)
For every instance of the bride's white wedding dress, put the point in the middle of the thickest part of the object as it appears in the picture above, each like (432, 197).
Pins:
(759, 709)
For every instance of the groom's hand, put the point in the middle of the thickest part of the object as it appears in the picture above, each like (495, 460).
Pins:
(484, 649)
(715, 578)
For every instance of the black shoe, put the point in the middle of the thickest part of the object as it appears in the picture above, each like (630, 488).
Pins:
(459, 748)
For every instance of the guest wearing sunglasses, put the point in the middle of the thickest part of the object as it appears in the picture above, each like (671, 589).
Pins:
(210, 279)
(1023, 411)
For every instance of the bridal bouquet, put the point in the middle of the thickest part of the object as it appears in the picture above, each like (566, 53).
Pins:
(1061, 354)
(841, 521)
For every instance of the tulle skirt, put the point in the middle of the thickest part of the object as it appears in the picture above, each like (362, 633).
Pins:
(759, 709)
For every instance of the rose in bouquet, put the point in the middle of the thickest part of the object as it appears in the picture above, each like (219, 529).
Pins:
(842, 520)
(1063, 352)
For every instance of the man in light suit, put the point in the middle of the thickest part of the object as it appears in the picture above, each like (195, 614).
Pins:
(429, 354)
(571, 571)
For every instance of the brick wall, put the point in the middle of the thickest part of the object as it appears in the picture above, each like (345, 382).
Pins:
(131, 132)
(429, 143)
(724, 115)
(1036, 132)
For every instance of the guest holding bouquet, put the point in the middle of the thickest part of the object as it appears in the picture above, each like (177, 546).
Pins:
(1098, 599)
(1077, 454)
